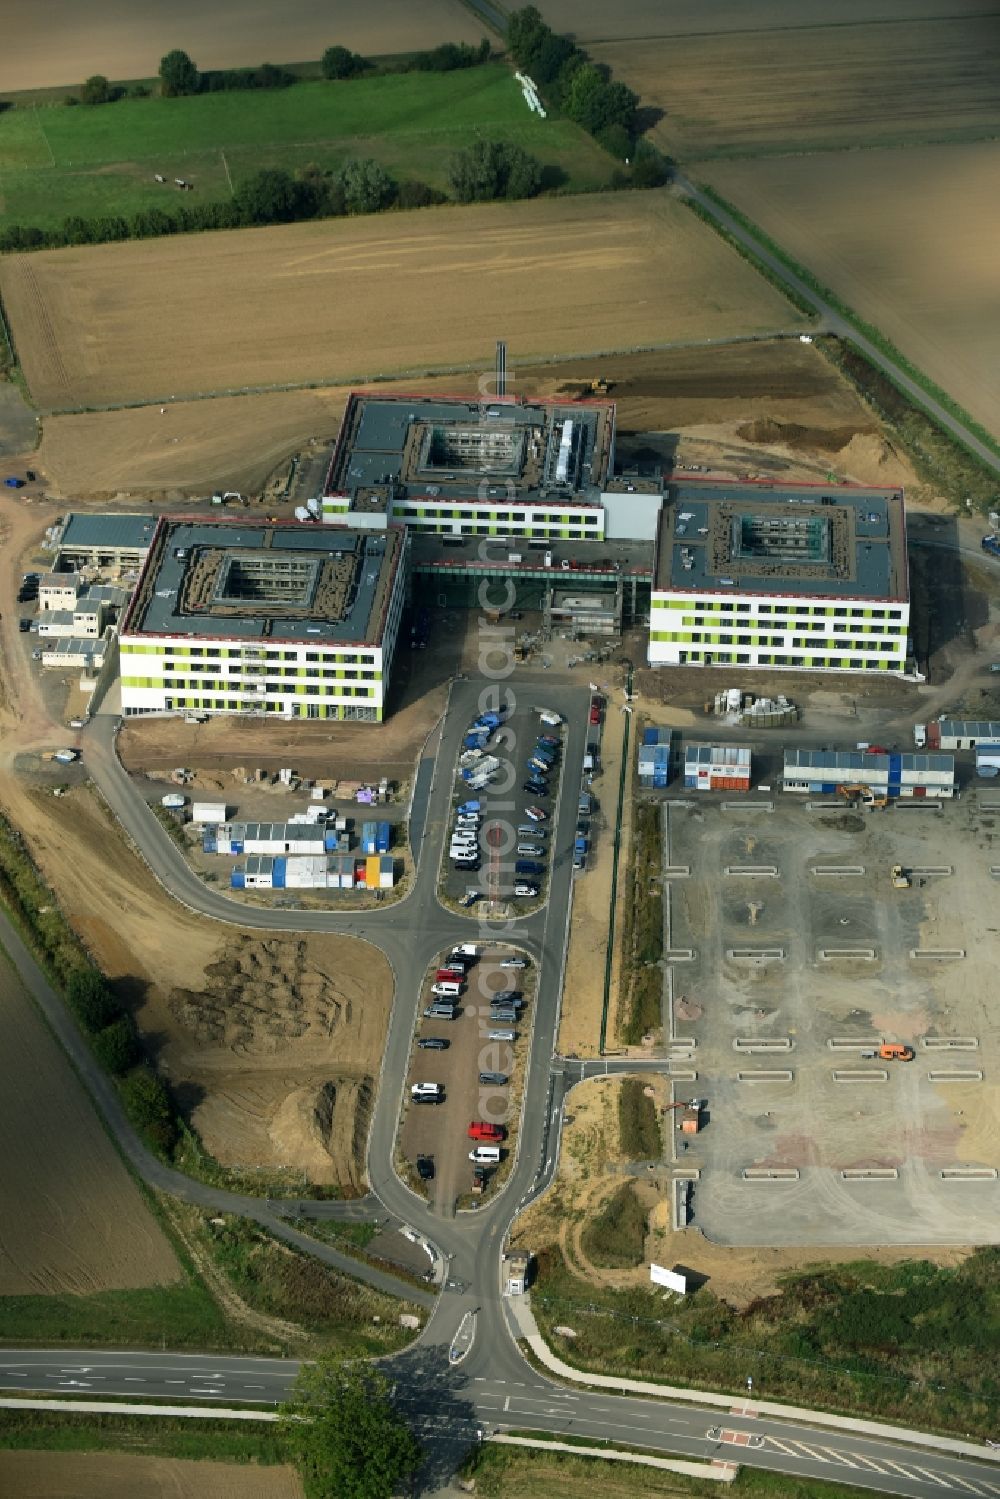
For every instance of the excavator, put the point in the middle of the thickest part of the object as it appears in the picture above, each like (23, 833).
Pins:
(863, 794)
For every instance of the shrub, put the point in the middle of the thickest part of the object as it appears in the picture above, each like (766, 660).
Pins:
(273, 196)
(147, 1103)
(451, 55)
(638, 1124)
(339, 62)
(96, 90)
(178, 75)
(616, 1237)
(366, 187)
(117, 1046)
(91, 1000)
(417, 195)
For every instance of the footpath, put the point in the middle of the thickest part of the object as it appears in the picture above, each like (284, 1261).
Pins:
(524, 1320)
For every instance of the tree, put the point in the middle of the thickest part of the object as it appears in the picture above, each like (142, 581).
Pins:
(87, 991)
(494, 169)
(339, 62)
(272, 196)
(96, 90)
(178, 75)
(148, 1105)
(367, 188)
(116, 1046)
(526, 31)
(349, 1441)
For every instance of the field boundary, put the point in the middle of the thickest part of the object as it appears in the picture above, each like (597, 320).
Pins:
(869, 331)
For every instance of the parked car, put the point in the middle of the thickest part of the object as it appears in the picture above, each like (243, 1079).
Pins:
(513, 962)
(419, 1088)
(433, 1043)
(429, 1098)
(537, 814)
(531, 850)
(425, 1168)
(493, 1079)
(482, 1129)
(535, 788)
(508, 997)
(525, 890)
(24, 625)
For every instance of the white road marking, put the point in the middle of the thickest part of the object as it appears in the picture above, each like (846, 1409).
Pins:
(783, 1446)
(133, 1379)
(970, 1486)
(905, 1471)
(506, 1404)
(812, 1452)
(838, 1456)
(934, 1477)
(868, 1462)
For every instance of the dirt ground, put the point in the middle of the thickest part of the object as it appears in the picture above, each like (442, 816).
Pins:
(355, 299)
(271, 1045)
(590, 1170)
(121, 1475)
(815, 87)
(774, 405)
(903, 237)
(73, 1219)
(65, 46)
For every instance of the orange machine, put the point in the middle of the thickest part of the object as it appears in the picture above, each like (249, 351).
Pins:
(895, 1051)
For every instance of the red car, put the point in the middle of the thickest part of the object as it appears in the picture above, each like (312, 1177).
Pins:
(479, 1129)
(449, 975)
(595, 713)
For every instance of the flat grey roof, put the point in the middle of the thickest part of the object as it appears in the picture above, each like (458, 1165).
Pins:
(161, 605)
(383, 442)
(841, 760)
(840, 543)
(124, 532)
(970, 728)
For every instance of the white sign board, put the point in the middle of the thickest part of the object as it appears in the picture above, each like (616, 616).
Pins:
(669, 1278)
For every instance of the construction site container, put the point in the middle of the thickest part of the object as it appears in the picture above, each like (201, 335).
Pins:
(305, 872)
(987, 757)
(383, 839)
(386, 872)
(826, 772)
(962, 733)
(690, 1120)
(372, 871)
(204, 812)
(369, 837)
(717, 767)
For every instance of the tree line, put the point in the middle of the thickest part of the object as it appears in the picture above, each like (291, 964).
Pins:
(583, 92)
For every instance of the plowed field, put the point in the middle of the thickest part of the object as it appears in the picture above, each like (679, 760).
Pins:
(122, 1475)
(906, 238)
(71, 1218)
(352, 300)
(594, 20)
(66, 42)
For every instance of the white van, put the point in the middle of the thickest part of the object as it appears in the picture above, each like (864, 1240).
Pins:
(425, 1090)
(485, 1155)
(446, 986)
(502, 1036)
(547, 716)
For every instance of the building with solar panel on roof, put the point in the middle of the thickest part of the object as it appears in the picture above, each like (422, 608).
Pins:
(781, 578)
(296, 620)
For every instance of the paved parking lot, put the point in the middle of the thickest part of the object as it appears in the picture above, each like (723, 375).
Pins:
(504, 805)
(805, 956)
(439, 1130)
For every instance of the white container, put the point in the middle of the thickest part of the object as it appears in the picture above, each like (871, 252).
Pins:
(208, 812)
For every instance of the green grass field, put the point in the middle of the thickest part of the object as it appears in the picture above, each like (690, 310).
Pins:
(57, 161)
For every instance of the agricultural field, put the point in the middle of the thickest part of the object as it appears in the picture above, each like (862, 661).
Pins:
(357, 299)
(57, 162)
(588, 20)
(811, 88)
(904, 238)
(64, 44)
(122, 1475)
(73, 1219)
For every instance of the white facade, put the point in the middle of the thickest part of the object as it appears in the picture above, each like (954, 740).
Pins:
(789, 631)
(442, 516)
(58, 591)
(315, 678)
(892, 775)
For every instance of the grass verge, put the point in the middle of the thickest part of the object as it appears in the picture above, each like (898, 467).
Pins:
(502, 1472)
(146, 1436)
(638, 1125)
(912, 1342)
(615, 1238)
(873, 334)
(642, 928)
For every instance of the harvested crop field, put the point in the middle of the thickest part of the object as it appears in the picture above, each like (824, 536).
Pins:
(65, 43)
(272, 1045)
(817, 87)
(356, 299)
(73, 1219)
(593, 21)
(905, 238)
(121, 1475)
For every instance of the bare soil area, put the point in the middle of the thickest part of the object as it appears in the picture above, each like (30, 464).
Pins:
(272, 1046)
(904, 238)
(355, 299)
(122, 1475)
(776, 402)
(814, 87)
(71, 1218)
(64, 44)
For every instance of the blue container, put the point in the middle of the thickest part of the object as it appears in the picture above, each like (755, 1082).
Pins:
(237, 880)
(209, 842)
(383, 838)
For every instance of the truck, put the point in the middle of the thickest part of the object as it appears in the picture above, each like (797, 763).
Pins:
(989, 544)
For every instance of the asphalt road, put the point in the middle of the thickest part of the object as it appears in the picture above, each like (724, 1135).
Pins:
(447, 1405)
